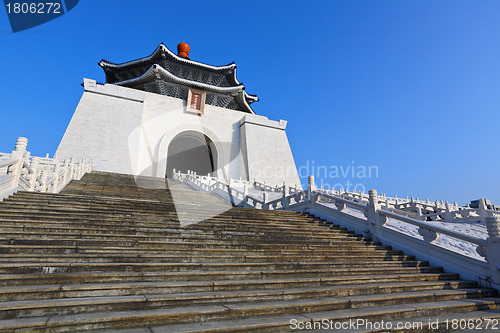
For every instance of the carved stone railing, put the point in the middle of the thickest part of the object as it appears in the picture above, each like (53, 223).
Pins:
(370, 214)
(283, 189)
(374, 216)
(20, 171)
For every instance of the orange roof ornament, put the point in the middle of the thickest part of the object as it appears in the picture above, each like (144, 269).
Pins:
(183, 50)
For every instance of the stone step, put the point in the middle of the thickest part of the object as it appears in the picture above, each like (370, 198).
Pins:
(29, 232)
(118, 256)
(170, 216)
(359, 320)
(19, 226)
(209, 234)
(171, 271)
(287, 288)
(167, 228)
(241, 252)
(153, 311)
(187, 244)
(104, 266)
(158, 276)
(83, 239)
(255, 302)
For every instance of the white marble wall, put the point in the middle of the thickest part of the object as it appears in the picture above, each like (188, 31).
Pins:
(128, 131)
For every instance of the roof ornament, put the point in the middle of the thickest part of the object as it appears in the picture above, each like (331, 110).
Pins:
(183, 50)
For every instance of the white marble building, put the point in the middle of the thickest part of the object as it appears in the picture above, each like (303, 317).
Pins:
(166, 112)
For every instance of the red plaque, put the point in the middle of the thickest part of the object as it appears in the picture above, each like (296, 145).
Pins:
(196, 101)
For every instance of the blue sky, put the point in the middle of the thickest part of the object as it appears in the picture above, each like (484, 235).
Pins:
(409, 87)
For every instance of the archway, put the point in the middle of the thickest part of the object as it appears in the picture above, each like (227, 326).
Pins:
(192, 151)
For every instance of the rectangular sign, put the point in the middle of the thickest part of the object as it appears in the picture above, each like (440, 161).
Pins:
(196, 101)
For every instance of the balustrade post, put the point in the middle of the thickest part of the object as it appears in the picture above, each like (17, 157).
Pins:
(373, 218)
(57, 171)
(310, 187)
(35, 165)
(79, 170)
(482, 211)
(72, 168)
(493, 247)
(311, 184)
(419, 214)
(360, 198)
(265, 199)
(448, 216)
(66, 171)
(19, 153)
(43, 177)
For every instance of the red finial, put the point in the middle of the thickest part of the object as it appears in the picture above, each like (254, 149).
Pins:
(183, 50)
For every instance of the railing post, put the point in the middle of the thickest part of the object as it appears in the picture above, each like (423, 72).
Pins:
(66, 171)
(43, 177)
(35, 164)
(483, 214)
(311, 184)
(373, 218)
(72, 169)
(448, 216)
(310, 187)
(19, 152)
(57, 171)
(493, 247)
(265, 199)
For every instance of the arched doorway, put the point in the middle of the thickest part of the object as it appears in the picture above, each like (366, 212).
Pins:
(192, 151)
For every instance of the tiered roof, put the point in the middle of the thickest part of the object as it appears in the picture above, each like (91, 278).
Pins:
(166, 73)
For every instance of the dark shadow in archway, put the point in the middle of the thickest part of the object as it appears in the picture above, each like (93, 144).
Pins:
(191, 151)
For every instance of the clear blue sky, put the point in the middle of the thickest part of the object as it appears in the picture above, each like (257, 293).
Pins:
(411, 87)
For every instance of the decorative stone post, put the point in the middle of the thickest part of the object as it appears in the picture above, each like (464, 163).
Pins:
(265, 199)
(312, 186)
(57, 171)
(72, 168)
(66, 171)
(482, 211)
(493, 247)
(35, 163)
(19, 152)
(373, 218)
(43, 177)
(286, 191)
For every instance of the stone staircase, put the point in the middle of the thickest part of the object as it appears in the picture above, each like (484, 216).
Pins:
(108, 255)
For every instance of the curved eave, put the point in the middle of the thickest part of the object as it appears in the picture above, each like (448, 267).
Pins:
(251, 98)
(106, 65)
(151, 74)
(248, 98)
(241, 99)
